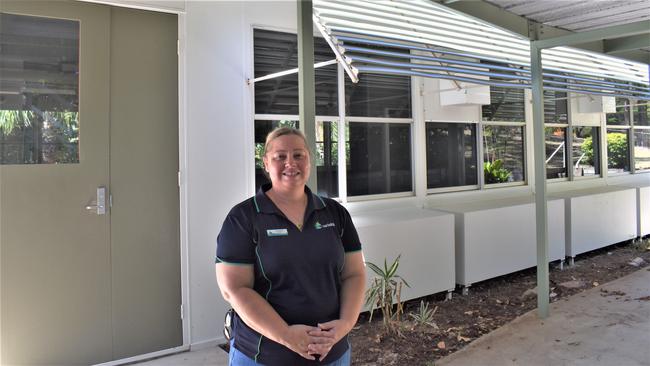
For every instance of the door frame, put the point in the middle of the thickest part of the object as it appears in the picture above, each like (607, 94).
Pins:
(182, 174)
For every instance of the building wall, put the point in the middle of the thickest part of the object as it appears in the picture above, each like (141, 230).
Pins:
(218, 51)
(216, 60)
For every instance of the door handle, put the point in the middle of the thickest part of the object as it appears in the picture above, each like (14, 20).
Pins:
(99, 204)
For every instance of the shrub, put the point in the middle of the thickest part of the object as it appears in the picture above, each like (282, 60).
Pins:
(424, 316)
(386, 289)
(617, 151)
(495, 172)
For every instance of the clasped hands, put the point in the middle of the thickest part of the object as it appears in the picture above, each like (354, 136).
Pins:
(311, 341)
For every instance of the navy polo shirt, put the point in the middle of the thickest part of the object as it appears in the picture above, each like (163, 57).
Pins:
(297, 271)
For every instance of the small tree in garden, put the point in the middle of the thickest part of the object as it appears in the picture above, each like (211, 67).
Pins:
(386, 289)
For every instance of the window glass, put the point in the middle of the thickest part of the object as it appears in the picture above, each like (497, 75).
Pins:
(642, 149)
(585, 151)
(622, 115)
(641, 112)
(378, 95)
(326, 158)
(39, 90)
(556, 156)
(506, 104)
(380, 158)
(618, 156)
(451, 154)
(503, 159)
(278, 51)
(555, 107)
(263, 128)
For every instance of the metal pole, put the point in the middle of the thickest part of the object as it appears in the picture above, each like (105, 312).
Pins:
(306, 88)
(540, 181)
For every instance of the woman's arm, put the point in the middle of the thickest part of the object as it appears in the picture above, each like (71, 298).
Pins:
(353, 283)
(236, 284)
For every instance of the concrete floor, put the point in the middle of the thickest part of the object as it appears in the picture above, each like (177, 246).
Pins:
(591, 328)
(212, 356)
(594, 328)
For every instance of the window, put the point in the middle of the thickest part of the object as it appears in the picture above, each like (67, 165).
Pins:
(263, 128)
(451, 154)
(326, 158)
(555, 107)
(39, 90)
(378, 119)
(618, 146)
(380, 158)
(641, 135)
(506, 105)
(556, 156)
(503, 154)
(278, 51)
(378, 95)
(618, 160)
(622, 114)
(642, 149)
(556, 121)
(641, 111)
(502, 125)
(585, 151)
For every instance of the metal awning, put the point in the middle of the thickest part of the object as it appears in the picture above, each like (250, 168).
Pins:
(422, 38)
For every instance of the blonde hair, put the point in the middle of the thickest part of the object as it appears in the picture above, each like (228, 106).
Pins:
(283, 131)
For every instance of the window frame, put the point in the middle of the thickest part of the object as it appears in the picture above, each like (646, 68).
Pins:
(342, 120)
(568, 159)
(630, 147)
(477, 141)
(631, 137)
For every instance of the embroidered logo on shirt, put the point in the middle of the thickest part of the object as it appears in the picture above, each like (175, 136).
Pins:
(318, 225)
(277, 232)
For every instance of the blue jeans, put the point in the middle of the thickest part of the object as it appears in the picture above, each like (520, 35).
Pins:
(236, 358)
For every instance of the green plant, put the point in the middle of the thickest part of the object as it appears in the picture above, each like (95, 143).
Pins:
(494, 172)
(617, 150)
(424, 315)
(617, 153)
(386, 289)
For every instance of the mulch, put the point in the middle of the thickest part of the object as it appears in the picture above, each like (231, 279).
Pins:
(489, 305)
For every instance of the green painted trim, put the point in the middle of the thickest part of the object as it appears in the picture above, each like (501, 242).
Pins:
(219, 260)
(259, 346)
(259, 259)
(257, 208)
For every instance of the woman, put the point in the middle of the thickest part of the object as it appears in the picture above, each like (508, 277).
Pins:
(290, 264)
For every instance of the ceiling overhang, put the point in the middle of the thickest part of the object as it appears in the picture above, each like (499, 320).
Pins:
(626, 47)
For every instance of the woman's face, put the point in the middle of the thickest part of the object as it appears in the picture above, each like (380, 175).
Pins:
(287, 162)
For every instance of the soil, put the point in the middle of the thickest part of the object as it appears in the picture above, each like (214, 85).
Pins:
(489, 305)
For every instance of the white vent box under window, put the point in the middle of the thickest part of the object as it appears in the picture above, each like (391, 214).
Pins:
(609, 104)
(590, 104)
(460, 93)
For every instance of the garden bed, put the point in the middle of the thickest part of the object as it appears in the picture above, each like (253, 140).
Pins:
(489, 305)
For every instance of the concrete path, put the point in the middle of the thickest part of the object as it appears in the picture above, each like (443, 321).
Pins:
(608, 325)
(212, 356)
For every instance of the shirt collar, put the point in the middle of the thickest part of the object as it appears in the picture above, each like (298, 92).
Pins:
(263, 203)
